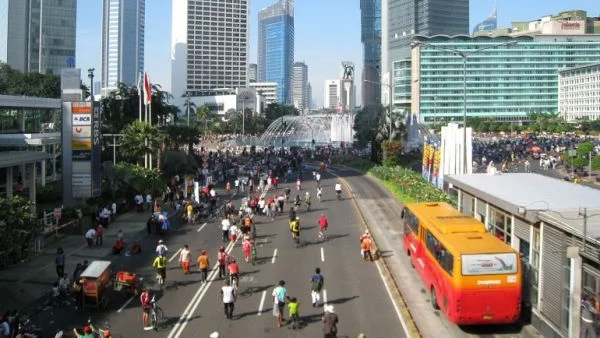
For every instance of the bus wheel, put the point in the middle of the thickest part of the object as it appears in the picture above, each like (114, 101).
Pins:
(434, 302)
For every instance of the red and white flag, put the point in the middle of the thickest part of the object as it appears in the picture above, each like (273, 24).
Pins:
(147, 89)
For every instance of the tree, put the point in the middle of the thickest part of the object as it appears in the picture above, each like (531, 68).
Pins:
(204, 116)
(119, 109)
(275, 110)
(366, 126)
(14, 82)
(17, 225)
(139, 139)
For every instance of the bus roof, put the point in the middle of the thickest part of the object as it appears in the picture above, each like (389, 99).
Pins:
(466, 244)
(445, 218)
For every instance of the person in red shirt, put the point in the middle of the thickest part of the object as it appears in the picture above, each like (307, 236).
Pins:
(222, 259)
(247, 247)
(146, 307)
(234, 270)
(366, 248)
(323, 224)
(364, 236)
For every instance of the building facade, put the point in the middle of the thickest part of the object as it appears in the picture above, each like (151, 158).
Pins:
(252, 72)
(276, 47)
(309, 96)
(268, 90)
(123, 25)
(209, 47)
(299, 86)
(579, 93)
(503, 83)
(332, 95)
(546, 223)
(38, 36)
(403, 19)
(370, 22)
(489, 24)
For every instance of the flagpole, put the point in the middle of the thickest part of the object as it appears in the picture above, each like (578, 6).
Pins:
(150, 124)
(140, 95)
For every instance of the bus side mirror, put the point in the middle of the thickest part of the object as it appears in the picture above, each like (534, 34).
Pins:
(402, 213)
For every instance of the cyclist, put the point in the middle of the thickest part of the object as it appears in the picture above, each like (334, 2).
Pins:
(161, 248)
(247, 247)
(297, 202)
(338, 190)
(222, 259)
(319, 193)
(323, 224)
(287, 191)
(298, 183)
(295, 229)
(234, 271)
(307, 200)
(88, 332)
(318, 178)
(146, 307)
(160, 264)
(292, 214)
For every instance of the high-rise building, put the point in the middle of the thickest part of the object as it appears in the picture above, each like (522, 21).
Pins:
(524, 76)
(209, 46)
(276, 47)
(309, 97)
(268, 90)
(579, 93)
(370, 17)
(401, 20)
(252, 72)
(123, 23)
(38, 36)
(490, 23)
(332, 95)
(299, 85)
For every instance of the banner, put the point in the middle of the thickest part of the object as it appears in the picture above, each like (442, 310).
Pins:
(425, 165)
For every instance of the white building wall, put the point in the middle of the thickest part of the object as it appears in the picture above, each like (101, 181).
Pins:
(222, 102)
(179, 50)
(579, 93)
(3, 30)
(268, 90)
(332, 94)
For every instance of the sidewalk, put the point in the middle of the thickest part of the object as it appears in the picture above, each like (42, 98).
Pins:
(28, 286)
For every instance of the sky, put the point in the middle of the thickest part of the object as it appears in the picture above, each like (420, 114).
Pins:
(327, 32)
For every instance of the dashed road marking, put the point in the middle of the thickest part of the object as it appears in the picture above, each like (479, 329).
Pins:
(322, 255)
(324, 296)
(175, 255)
(274, 256)
(125, 305)
(201, 227)
(262, 302)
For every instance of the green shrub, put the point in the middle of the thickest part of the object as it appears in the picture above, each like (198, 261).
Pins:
(408, 186)
(50, 193)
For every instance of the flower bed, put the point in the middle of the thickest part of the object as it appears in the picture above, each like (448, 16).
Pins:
(408, 185)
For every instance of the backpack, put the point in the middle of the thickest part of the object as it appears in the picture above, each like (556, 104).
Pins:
(161, 250)
(317, 282)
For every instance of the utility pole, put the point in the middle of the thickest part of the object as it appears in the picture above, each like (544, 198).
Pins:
(91, 76)
(188, 107)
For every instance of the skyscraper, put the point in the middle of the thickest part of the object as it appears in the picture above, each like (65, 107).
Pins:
(333, 94)
(123, 23)
(252, 72)
(370, 17)
(299, 85)
(38, 36)
(209, 45)
(490, 23)
(276, 47)
(309, 99)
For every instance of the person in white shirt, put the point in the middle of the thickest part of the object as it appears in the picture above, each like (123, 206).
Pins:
(64, 283)
(90, 235)
(233, 232)
(228, 295)
(161, 248)
(225, 224)
(149, 201)
(114, 209)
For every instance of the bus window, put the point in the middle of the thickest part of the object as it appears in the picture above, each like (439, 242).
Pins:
(411, 221)
(439, 252)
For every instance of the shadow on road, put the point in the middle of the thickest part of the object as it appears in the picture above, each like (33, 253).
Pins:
(342, 300)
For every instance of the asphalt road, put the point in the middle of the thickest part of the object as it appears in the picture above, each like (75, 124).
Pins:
(192, 309)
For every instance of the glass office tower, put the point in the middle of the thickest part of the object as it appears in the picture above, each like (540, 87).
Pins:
(122, 42)
(370, 17)
(276, 47)
(503, 83)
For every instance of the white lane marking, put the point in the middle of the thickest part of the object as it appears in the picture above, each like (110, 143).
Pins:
(175, 255)
(324, 296)
(202, 227)
(195, 301)
(262, 302)
(125, 305)
(274, 256)
(322, 255)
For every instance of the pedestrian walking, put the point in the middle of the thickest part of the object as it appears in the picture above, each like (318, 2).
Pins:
(59, 260)
(185, 257)
(225, 224)
(279, 296)
(203, 264)
(330, 320)
(99, 234)
(294, 314)
(317, 281)
(228, 295)
(588, 316)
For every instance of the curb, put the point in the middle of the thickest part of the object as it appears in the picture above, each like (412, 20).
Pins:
(407, 318)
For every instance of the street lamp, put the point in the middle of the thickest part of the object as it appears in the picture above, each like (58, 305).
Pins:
(244, 96)
(187, 94)
(464, 55)
(389, 86)
(91, 76)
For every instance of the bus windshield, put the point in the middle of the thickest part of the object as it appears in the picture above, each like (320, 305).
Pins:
(489, 264)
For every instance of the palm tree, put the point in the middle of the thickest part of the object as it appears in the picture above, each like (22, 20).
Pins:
(203, 114)
(140, 139)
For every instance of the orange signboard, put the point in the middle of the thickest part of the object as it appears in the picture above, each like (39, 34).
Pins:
(81, 107)
(81, 144)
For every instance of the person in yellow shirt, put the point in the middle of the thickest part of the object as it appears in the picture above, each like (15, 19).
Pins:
(160, 264)
(190, 210)
(294, 315)
(203, 264)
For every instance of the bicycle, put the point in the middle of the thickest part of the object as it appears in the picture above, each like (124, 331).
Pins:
(323, 234)
(233, 281)
(159, 279)
(156, 313)
(253, 254)
(296, 238)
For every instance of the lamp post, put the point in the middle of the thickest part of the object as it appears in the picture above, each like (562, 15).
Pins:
(389, 103)
(91, 76)
(187, 94)
(464, 55)
(244, 96)
(434, 112)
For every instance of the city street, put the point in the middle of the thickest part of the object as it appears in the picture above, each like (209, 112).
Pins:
(193, 309)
